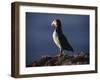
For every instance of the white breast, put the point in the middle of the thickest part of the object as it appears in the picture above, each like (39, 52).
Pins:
(55, 39)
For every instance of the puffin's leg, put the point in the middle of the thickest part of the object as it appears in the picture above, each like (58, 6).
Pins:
(61, 57)
(61, 52)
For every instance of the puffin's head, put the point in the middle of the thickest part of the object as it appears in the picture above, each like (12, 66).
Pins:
(56, 23)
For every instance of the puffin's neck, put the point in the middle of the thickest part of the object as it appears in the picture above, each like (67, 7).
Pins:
(59, 29)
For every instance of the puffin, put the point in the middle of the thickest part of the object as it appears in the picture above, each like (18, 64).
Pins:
(59, 38)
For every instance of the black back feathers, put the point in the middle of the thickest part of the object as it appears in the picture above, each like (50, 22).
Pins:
(63, 40)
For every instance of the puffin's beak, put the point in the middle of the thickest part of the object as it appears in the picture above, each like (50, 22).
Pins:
(53, 23)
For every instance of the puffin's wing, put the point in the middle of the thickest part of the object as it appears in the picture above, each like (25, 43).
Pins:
(64, 42)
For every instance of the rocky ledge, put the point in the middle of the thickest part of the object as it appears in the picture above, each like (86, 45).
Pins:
(79, 59)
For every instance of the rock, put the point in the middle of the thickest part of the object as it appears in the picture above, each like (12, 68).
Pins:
(61, 59)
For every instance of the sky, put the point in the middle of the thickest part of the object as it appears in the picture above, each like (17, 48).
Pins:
(39, 32)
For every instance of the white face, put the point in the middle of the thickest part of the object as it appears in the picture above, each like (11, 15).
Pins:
(54, 23)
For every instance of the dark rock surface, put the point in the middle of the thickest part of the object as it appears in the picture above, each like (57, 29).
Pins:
(81, 58)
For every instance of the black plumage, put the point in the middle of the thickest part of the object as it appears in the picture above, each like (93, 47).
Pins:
(62, 43)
